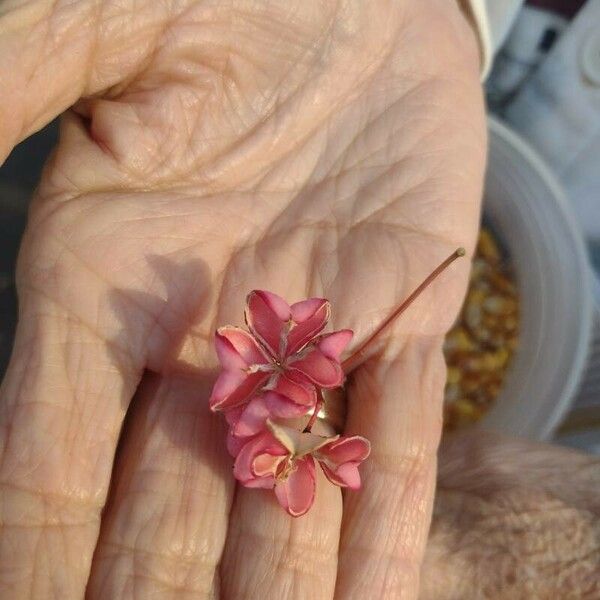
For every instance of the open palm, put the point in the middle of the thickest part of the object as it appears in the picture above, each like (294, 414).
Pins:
(307, 148)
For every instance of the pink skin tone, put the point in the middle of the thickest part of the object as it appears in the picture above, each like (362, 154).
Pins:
(275, 373)
(308, 148)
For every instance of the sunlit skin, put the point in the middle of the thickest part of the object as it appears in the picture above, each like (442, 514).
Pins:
(313, 149)
(330, 149)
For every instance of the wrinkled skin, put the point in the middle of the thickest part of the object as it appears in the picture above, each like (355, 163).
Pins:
(309, 148)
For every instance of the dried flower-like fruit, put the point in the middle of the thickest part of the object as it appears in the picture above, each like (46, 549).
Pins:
(283, 352)
(271, 391)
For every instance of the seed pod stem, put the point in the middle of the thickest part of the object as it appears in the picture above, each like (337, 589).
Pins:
(366, 348)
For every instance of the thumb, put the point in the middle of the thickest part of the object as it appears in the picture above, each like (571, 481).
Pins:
(52, 52)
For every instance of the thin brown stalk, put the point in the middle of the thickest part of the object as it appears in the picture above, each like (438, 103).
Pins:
(362, 352)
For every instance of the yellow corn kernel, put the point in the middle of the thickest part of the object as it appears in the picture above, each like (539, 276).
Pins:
(487, 246)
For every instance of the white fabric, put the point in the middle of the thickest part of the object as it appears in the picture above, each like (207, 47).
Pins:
(501, 17)
(523, 50)
(492, 20)
(558, 110)
(477, 14)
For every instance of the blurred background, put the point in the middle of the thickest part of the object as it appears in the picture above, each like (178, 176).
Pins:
(544, 84)
(524, 356)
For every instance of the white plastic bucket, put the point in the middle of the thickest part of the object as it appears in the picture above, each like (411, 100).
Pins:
(525, 206)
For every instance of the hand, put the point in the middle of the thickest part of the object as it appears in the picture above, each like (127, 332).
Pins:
(513, 519)
(309, 148)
